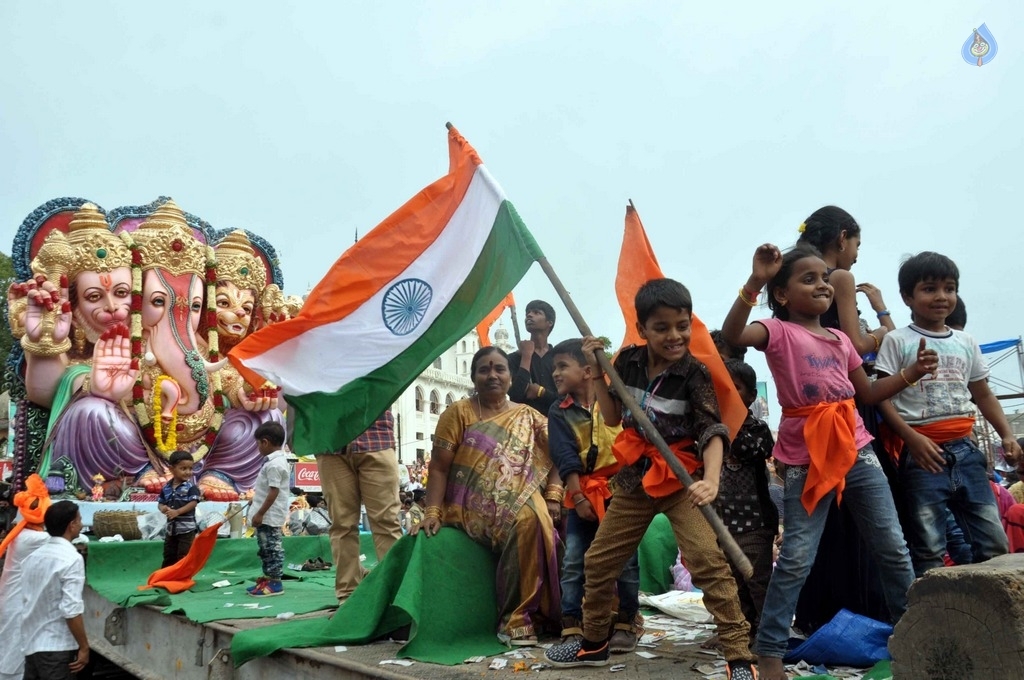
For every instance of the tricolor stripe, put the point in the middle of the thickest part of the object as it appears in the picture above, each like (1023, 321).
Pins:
(392, 303)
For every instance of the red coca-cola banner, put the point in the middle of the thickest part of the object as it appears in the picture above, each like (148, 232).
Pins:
(307, 476)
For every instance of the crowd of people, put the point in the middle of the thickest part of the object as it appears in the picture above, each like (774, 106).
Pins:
(551, 468)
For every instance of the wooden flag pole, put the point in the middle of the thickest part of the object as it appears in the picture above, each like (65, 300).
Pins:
(725, 539)
(515, 325)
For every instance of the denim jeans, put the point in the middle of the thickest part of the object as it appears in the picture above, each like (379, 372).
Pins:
(963, 488)
(579, 535)
(867, 493)
(270, 550)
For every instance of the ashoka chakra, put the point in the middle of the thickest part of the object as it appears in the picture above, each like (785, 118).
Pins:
(405, 304)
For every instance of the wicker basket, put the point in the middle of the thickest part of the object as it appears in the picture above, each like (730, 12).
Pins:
(110, 522)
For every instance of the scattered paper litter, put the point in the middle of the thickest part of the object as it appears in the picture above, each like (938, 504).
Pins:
(295, 567)
(709, 667)
(225, 572)
(229, 604)
(646, 655)
(519, 654)
(396, 662)
(221, 584)
(540, 666)
(340, 648)
(285, 615)
(683, 605)
(497, 664)
(617, 667)
(474, 659)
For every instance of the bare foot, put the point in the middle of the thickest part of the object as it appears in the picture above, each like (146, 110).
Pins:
(153, 482)
(216, 489)
(771, 668)
(713, 642)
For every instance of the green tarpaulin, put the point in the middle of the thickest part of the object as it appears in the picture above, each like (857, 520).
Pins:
(116, 570)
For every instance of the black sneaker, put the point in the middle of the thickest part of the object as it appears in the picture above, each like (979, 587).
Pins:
(741, 670)
(572, 654)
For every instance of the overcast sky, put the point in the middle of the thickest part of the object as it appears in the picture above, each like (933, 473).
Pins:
(726, 124)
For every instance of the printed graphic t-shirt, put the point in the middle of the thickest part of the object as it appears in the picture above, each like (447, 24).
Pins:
(808, 369)
(944, 394)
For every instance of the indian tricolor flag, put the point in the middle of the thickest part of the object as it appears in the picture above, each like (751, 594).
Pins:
(392, 303)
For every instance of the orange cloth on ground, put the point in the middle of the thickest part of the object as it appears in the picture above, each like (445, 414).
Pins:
(831, 435)
(32, 503)
(940, 432)
(595, 487)
(630, 446)
(178, 577)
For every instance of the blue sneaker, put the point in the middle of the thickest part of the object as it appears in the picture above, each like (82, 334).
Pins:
(268, 588)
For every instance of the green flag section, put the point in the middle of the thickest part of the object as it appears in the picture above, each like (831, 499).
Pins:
(442, 587)
(407, 291)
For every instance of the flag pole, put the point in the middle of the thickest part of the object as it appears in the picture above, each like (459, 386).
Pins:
(725, 539)
(515, 325)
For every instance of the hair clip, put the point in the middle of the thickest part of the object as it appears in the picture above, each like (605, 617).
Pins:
(802, 228)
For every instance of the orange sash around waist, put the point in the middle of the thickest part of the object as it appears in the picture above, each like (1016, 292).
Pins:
(831, 435)
(630, 446)
(595, 487)
(940, 432)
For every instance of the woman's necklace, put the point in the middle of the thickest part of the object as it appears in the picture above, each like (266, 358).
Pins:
(480, 407)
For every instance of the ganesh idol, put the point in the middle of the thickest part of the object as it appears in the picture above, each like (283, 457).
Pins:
(152, 388)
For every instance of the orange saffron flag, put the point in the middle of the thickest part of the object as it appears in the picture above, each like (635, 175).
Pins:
(483, 329)
(180, 576)
(637, 266)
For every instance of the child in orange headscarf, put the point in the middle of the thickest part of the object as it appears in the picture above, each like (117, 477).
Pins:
(21, 542)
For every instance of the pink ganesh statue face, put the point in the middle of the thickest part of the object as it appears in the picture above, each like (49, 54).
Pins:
(171, 308)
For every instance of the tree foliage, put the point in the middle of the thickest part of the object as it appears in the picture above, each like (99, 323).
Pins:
(6, 279)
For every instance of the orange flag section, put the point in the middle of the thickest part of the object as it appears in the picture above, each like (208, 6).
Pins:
(483, 329)
(180, 576)
(637, 266)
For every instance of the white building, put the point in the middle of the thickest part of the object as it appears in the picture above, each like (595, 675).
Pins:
(417, 409)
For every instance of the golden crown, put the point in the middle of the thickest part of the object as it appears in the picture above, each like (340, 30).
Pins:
(167, 242)
(238, 263)
(89, 246)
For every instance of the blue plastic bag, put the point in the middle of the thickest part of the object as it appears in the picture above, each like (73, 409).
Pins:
(847, 640)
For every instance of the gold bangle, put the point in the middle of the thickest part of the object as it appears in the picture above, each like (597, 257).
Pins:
(432, 511)
(878, 343)
(903, 374)
(540, 391)
(748, 302)
(45, 347)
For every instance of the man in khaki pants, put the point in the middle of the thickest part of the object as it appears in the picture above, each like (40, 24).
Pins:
(363, 473)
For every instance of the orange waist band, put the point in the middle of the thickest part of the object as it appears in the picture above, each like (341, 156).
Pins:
(830, 431)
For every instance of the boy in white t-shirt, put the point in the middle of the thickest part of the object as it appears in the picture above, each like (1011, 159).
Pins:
(931, 421)
(270, 500)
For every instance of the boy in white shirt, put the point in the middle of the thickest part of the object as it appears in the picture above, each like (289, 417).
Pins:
(270, 499)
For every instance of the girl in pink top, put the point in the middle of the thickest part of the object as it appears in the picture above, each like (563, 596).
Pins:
(818, 373)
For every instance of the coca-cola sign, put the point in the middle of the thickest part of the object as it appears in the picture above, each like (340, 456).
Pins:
(307, 476)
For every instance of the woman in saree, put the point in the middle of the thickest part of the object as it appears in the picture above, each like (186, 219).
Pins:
(490, 476)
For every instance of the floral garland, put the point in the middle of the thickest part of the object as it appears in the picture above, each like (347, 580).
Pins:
(170, 444)
(149, 427)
